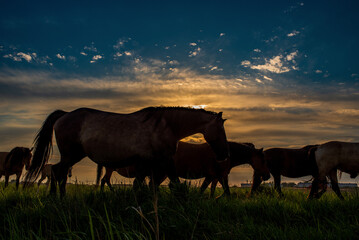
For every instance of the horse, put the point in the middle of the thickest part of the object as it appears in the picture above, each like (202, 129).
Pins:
(330, 157)
(46, 173)
(13, 162)
(147, 139)
(194, 161)
(291, 163)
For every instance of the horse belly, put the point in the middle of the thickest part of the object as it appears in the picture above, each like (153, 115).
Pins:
(118, 147)
(194, 165)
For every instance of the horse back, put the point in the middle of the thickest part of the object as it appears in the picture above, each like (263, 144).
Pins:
(111, 139)
(341, 155)
(289, 162)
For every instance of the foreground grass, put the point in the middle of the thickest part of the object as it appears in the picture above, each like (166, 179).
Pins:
(86, 213)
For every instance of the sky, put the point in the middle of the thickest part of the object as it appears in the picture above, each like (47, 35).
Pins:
(284, 73)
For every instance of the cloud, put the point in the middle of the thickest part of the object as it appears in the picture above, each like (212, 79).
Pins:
(274, 65)
(83, 53)
(292, 34)
(193, 44)
(18, 57)
(121, 42)
(318, 71)
(95, 58)
(267, 78)
(91, 48)
(222, 34)
(246, 63)
(257, 50)
(291, 56)
(215, 68)
(277, 64)
(62, 57)
(194, 52)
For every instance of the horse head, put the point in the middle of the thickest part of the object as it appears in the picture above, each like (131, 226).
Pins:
(215, 135)
(259, 164)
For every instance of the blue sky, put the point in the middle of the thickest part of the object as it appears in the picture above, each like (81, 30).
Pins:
(285, 73)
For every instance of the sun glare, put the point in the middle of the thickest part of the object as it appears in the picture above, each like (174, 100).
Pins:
(199, 106)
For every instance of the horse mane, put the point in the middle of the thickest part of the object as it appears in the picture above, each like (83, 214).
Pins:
(308, 147)
(163, 108)
(158, 112)
(15, 156)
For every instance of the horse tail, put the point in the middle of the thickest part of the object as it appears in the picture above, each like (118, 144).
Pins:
(43, 146)
(99, 174)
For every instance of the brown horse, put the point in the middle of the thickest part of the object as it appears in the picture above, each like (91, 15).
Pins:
(330, 157)
(146, 139)
(46, 173)
(194, 161)
(13, 162)
(291, 163)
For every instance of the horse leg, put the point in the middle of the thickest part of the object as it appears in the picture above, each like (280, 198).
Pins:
(206, 183)
(59, 175)
(334, 181)
(172, 174)
(277, 186)
(256, 182)
(18, 175)
(323, 182)
(138, 182)
(107, 179)
(213, 186)
(156, 179)
(314, 189)
(224, 182)
(6, 180)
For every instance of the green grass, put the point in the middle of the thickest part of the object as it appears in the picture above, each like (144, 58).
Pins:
(86, 213)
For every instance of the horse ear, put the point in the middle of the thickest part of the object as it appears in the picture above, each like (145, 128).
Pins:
(220, 115)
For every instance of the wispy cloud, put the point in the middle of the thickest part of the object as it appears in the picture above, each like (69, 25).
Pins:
(62, 57)
(292, 34)
(276, 64)
(95, 58)
(194, 52)
(18, 57)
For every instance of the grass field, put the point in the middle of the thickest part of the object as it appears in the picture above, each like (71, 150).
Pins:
(86, 213)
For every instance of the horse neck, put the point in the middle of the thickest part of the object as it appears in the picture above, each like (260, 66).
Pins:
(186, 122)
(240, 154)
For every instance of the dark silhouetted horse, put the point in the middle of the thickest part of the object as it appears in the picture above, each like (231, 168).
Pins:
(13, 163)
(291, 163)
(194, 161)
(146, 139)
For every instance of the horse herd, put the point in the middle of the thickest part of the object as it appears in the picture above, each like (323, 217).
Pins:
(147, 143)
